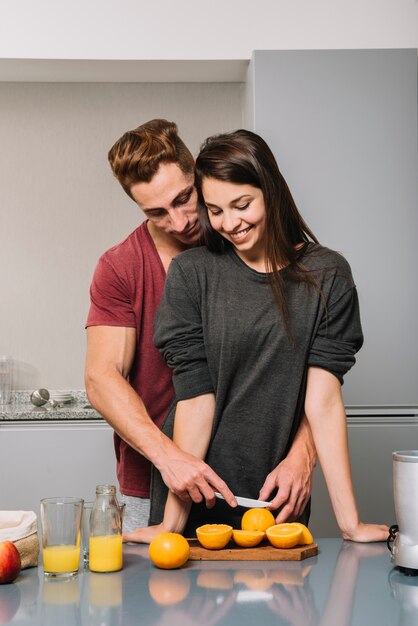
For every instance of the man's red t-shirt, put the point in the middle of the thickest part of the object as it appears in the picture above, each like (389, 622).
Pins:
(126, 290)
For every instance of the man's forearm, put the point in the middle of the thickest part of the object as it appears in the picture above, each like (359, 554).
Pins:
(114, 398)
(180, 464)
(291, 480)
(110, 354)
(303, 443)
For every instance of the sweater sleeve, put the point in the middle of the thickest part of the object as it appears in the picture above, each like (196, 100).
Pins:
(178, 335)
(339, 335)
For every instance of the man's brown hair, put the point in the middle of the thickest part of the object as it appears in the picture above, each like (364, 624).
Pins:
(137, 155)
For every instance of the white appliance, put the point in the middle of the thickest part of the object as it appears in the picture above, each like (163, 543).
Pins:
(405, 488)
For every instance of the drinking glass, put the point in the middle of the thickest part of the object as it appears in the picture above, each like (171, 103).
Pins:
(85, 531)
(61, 532)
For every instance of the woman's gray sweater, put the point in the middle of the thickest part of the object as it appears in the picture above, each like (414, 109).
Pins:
(220, 330)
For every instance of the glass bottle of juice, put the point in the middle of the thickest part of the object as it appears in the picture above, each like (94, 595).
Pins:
(105, 544)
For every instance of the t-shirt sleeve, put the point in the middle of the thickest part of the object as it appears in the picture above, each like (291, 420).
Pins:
(178, 335)
(110, 301)
(339, 335)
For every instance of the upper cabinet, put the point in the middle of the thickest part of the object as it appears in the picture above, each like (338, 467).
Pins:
(343, 127)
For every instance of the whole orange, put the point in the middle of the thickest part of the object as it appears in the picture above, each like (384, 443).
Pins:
(169, 550)
(257, 519)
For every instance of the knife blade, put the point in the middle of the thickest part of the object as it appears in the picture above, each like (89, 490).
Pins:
(248, 503)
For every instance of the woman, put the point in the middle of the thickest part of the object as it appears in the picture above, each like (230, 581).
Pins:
(259, 326)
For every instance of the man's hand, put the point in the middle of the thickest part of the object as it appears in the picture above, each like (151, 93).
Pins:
(292, 477)
(190, 478)
(294, 483)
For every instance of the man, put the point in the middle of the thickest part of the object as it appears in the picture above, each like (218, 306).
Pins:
(126, 379)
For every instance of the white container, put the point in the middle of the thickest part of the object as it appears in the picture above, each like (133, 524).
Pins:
(6, 379)
(405, 491)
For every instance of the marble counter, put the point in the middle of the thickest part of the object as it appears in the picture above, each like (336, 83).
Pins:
(22, 410)
(347, 584)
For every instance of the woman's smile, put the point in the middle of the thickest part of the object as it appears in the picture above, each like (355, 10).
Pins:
(240, 236)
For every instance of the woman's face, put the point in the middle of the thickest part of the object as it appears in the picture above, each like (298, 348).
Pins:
(237, 212)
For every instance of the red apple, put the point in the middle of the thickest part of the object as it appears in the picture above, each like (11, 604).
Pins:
(10, 564)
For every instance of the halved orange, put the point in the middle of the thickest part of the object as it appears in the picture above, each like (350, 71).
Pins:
(257, 519)
(214, 536)
(248, 538)
(284, 535)
(306, 533)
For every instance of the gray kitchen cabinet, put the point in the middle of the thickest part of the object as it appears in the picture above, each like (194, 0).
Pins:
(70, 458)
(343, 127)
(39, 460)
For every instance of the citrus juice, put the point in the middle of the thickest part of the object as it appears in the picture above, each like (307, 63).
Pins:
(61, 559)
(105, 553)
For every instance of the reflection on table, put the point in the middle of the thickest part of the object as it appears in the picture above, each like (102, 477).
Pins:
(347, 584)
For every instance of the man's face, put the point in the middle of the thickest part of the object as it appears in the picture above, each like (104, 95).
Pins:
(169, 201)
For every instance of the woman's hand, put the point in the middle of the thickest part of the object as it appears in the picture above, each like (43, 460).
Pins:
(367, 532)
(143, 535)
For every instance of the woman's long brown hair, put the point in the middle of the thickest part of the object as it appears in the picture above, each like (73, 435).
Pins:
(244, 158)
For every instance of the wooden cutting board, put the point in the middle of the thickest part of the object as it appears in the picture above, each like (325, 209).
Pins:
(262, 552)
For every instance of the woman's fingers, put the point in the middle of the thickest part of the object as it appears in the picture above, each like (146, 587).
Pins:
(367, 532)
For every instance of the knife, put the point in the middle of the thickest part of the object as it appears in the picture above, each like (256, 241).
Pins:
(249, 503)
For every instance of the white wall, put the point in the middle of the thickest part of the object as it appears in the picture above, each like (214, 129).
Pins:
(186, 29)
(60, 206)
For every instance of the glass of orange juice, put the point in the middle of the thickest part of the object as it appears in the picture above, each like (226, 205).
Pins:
(85, 529)
(61, 532)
